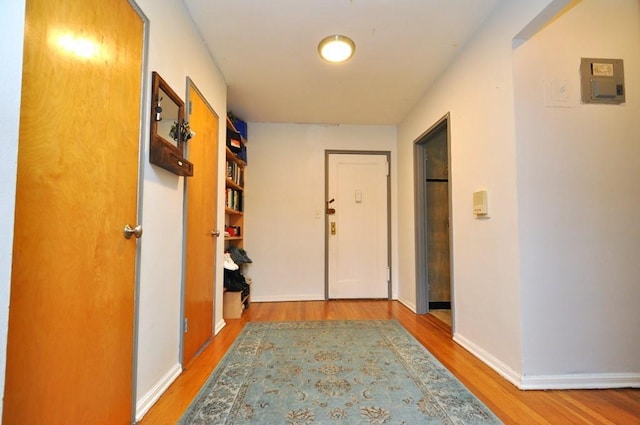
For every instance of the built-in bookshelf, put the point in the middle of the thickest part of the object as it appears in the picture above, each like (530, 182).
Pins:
(234, 303)
(234, 199)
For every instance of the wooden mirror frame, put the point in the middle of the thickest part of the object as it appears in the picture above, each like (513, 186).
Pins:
(162, 152)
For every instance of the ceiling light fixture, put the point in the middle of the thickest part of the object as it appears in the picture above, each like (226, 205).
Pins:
(336, 48)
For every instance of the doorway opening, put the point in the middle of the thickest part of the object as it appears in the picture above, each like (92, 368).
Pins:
(432, 165)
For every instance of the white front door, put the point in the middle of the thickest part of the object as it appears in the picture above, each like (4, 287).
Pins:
(357, 233)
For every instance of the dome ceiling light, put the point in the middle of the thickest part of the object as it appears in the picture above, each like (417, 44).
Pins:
(336, 48)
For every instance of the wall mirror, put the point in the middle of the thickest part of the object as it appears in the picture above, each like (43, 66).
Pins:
(166, 140)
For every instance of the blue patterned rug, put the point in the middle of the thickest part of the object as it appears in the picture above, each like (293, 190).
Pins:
(332, 372)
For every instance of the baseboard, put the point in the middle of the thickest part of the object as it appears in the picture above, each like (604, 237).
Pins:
(283, 298)
(291, 298)
(410, 305)
(221, 324)
(487, 358)
(581, 381)
(551, 382)
(149, 399)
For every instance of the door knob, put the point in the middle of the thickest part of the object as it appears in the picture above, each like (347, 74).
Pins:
(215, 233)
(132, 231)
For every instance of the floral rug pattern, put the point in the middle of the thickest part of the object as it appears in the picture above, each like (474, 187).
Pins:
(332, 372)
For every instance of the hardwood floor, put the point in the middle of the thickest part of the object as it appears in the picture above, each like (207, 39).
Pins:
(511, 405)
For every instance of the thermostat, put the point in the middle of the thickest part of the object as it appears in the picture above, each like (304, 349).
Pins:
(602, 80)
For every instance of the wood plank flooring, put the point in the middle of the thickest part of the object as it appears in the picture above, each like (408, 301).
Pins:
(511, 405)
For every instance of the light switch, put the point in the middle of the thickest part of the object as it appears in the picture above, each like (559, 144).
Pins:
(480, 207)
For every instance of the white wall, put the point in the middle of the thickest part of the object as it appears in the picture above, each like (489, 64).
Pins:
(175, 52)
(11, 41)
(578, 175)
(285, 202)
(477, 89)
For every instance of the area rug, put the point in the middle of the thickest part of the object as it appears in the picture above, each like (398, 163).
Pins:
(332, 372)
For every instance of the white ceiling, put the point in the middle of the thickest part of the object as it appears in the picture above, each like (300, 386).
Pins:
(267, 52)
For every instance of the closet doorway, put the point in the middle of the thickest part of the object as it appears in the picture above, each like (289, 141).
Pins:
(433, 250)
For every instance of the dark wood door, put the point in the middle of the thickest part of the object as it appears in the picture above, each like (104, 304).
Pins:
(438, 244)
(437, 220)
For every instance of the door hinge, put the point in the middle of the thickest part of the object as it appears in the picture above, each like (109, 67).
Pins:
(186, 325)
(388, 168)
(388, 274)
(189, 108)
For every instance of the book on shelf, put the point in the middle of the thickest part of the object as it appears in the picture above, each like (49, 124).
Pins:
(235, 173)
(234, 199)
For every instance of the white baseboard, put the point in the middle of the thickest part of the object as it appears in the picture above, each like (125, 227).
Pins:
(284, 298)
(149, 399)
(221, 324)
(505, 371)
(581, 381)
(410, 305)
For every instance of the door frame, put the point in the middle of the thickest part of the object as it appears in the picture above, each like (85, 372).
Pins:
(327, 153)
(144, 137)
(420, 203)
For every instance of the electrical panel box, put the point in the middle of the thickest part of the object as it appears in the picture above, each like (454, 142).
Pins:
(602, 80)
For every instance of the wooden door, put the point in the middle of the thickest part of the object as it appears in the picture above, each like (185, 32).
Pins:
(200, 242)
(437, 220)
(71, 320)
(438, 268)
(358, 263)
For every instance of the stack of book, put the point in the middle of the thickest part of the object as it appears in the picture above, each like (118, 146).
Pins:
(235, 173)
(234, 199)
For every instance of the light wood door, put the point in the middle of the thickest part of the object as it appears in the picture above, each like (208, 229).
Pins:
(200, 223)
(71, 320)
(358, 263)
